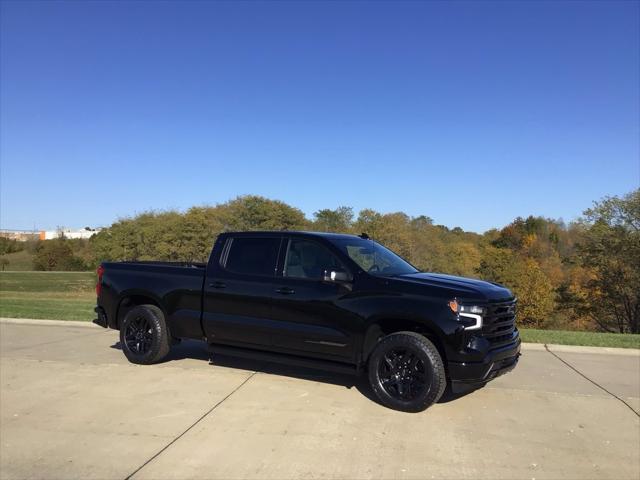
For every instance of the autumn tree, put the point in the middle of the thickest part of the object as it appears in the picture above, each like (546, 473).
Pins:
(339, 220)
(56, 254)
(527, 281)
(252, 212)
(189, 236)
(610, 248)
(10, 246)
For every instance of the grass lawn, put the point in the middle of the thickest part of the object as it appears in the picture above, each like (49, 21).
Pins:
(595, 339)
(49, 295)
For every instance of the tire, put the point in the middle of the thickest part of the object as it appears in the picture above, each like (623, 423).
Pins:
(406, 372)
(144, 335)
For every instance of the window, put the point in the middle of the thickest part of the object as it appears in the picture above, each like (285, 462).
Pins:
(307, 259)
(253, 256)
(374, 258)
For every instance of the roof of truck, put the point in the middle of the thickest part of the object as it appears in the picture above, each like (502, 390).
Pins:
(327, 235)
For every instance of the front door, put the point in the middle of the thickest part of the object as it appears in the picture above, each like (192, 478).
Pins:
(310, 313)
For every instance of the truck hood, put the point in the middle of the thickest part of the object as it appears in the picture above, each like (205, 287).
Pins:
(470, 287)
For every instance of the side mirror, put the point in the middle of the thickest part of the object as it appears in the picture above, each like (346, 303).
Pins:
(337, 276)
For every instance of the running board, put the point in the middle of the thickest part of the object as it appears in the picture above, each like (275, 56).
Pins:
(282, 358)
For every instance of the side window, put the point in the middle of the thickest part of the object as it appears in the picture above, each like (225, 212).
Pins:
(307, 259)
(253, 256)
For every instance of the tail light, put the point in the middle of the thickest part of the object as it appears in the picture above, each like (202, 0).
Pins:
(100, 272)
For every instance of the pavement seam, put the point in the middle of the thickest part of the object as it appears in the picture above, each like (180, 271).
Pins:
(592, 381)
(163, 449)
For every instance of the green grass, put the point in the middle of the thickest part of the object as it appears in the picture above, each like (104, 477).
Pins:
(595, 339)
(49, 295)
(19, 261)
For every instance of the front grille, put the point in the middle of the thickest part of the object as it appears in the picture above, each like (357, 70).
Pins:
(499, 323)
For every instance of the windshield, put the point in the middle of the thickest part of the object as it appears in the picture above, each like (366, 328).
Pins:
(373, 257)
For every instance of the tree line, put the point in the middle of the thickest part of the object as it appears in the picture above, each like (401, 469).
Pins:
(584, 275)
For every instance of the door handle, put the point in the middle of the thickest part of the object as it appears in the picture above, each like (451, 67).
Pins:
(285, 291)
(218, 285)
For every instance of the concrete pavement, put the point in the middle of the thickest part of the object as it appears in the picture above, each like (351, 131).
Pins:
(71, 406)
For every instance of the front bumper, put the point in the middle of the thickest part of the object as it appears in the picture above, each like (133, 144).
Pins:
(464, 375)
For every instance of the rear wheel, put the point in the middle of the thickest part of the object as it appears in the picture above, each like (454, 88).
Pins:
(144, 335)
(406, 372)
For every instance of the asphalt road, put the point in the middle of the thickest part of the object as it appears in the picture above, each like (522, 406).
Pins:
(72, 407)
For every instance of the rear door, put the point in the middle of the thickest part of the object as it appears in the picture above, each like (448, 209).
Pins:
(238, 291)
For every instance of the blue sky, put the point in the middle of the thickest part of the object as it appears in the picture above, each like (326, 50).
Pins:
(472, 113)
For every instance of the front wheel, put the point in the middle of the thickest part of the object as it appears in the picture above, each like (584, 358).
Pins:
(144, 335)
(406, 372)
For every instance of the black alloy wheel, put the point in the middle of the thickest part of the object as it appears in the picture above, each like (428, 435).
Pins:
(144, 335)
(138, 335)
(403, 374)
(406, 372)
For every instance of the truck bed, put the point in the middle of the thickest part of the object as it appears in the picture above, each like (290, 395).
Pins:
(176, 286)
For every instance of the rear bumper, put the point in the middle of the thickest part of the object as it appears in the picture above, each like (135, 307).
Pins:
(102, 317)
(475, 374)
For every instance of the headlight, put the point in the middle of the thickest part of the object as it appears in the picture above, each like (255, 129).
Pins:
(472, 309)
(469, 315)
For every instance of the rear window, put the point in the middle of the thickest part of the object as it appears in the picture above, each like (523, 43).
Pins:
(253, 256)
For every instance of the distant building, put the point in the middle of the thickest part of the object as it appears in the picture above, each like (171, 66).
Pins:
(25, 235)
(68, 233)
(20, 235)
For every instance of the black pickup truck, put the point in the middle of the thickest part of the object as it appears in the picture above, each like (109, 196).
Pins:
(338, 302)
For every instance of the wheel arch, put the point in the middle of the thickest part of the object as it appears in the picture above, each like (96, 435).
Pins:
(385, 326)
(134, 298)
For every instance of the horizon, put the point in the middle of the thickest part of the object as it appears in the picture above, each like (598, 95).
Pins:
(471, 113)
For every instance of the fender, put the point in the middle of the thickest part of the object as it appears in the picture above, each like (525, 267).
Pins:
(379, 326)
(136, 292)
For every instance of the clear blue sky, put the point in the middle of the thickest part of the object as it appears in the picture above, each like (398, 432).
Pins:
(469, 112)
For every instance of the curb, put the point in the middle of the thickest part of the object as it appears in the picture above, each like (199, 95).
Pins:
(61, 323)
(539, 347)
